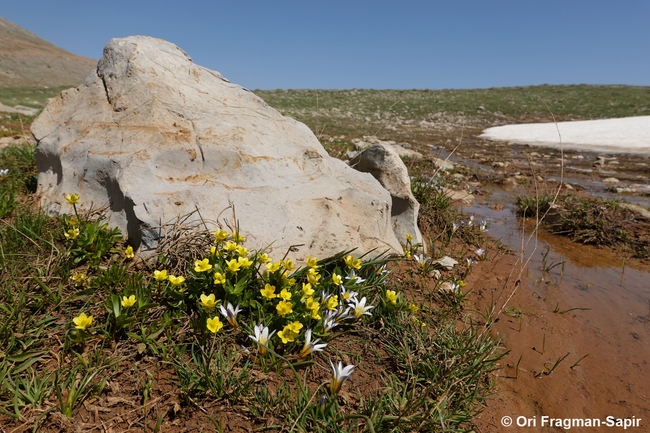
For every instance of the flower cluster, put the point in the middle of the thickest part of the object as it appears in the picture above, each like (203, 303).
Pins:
(277, 303)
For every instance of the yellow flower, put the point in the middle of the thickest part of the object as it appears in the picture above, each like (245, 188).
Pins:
(315, 314)
(208, 302)
(176, 281)
(82, 321)
(72, 198)
(295, 327)
(289, 264)
(160, 275)
(202, 265)
(273, 267)
(244, 262)
(263, 258)
(213, 324)
(312, 304)
(128, 302)
(219, 278)
(221, 235)
(79, 279)
(268, 291)
(333, 302)
(409, 238)
(353, 263)
(213, 251)
(407, 254)
(285, 294)
(307, 290)
(128, 252)
(238, 238)
(413, 308)
(336, 279)
(73, 221)
(241, 251)
(391, 295)
(72, 234)
(313, 276)
(312, 262)
(287, 336)
(461, 283)
(233, 265)
(231, 246)
(284, 308)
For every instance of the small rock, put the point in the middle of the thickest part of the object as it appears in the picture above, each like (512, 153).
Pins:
(611, 180)
(444, 164)
(496, 206)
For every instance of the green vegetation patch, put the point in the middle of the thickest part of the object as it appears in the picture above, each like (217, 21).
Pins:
(591, 221)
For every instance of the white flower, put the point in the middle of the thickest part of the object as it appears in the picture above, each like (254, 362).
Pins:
(359, 307)
(470, 262)
(352, 276)
(310, 346)
(261, 337)
(3, 173)
(348, 295)
(480, 252)
(422, 261)
(339, 375)
(454, 227)
(230, 313)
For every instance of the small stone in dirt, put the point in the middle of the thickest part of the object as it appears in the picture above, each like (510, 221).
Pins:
(496, 206)
(611, 180)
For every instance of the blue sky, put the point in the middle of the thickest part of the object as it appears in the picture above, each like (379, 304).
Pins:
(380, 44)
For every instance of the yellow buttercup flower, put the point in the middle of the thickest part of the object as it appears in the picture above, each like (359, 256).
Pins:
(312, 304)
(413, 308)
(213, 324)
(273, 267)
(263, 258)
(160, 275)
(128, 302)
(333, 302)
(238, 237)
(285, 294)
(219, 278)
(221, 235)
(294, 326)
(244, 262)
(312, 262)
(176, 281)
(407, 254)
(82, 321)
(242, 251)
(208, 302)
(289, 264)
(233, 265)
(287, 336)
(391, 295)
(268, 291)
(231, 246)
(307, 290)
(72, 234)
(352, 263)
(72, 198)
(79, 279)
(128, 252)
(284, 308)
(313, 276)
(336, 279)
(409, 238)
(202, 265)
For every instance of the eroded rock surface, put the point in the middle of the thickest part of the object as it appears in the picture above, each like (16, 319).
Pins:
(154, 137)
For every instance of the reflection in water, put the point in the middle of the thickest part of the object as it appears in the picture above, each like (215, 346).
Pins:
(589, 277)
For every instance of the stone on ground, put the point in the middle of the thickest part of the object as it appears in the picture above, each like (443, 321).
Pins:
(154, 137)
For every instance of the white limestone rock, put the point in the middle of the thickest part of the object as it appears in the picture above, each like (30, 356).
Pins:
(382, 161)
(155, 137)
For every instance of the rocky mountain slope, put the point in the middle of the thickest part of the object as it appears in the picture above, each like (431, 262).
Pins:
(28, 60)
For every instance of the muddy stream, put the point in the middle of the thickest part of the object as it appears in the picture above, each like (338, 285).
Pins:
(575, 325)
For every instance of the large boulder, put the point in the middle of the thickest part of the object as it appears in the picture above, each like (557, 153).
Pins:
(155, 137)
